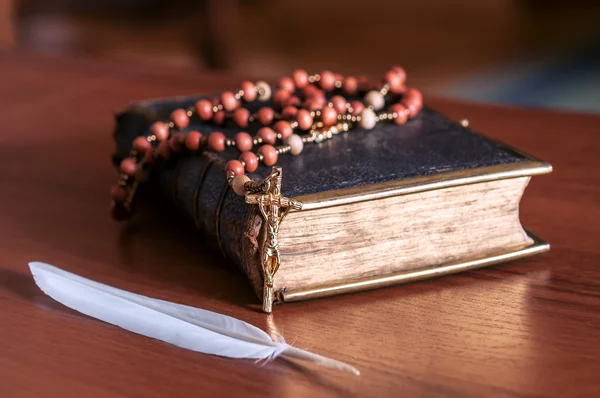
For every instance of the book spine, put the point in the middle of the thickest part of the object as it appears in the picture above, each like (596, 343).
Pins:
(196, 186)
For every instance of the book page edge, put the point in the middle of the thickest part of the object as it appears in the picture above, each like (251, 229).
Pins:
(538, 246)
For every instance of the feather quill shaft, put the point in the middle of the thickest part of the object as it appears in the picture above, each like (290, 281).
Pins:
(188, 327)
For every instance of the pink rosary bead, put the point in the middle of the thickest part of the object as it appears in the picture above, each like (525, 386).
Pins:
(267, 135)
(243, 141)
(328, 116)
(204, 109)
(269, 154)
(180, 118)
(281, 98)
(142, 145)
(250, 160)
(265, 116)
(287, 84)
(241, 117)
(249, 91)
(300, 79)
(350, 85)
(339, 104)
(284, 129)
(304, 119)
(216, 141)
(192, 141)
(289, 112)
(235, 166)
(327, 81)
(160, 130)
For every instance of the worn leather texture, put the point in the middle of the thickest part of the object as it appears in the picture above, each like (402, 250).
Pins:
(196, 185)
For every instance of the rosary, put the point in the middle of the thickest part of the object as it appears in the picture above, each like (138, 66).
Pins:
(306, 109)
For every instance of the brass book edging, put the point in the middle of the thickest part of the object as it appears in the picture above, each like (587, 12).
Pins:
(387, 189)
(373, 282)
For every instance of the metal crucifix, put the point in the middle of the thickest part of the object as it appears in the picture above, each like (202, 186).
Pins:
(273, 208)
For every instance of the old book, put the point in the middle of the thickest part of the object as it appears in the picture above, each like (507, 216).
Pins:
(380, 207)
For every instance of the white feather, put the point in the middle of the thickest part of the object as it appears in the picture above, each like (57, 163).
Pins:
(184, 326)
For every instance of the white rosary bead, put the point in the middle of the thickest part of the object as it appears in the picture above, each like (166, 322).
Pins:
(238, 184)
(368, 120)
(266, 91)
(374, 99)
(296, 144)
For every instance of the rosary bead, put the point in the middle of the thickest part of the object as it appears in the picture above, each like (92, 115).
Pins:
(301, 78)
(400, 72)
(293, 100)
(192, 141)
(413, 106)
(328, 116)
(269, 154)
(281, 97)
(266, 91)
(400, 110)
(164, 149)
(413, 93)
(250, 160)
(327, 81)
(289, 112)
(339, 104)
(128, 166)
(204, 109)
(413, 100)
(176, 142)
(312, 91)
(180, 118)
(367, 119)
(241, 117)
(374, 99)
(295, 143)
(357, 107)
(160, 130)
(141, 144)
(219, 118)
(282, 127)
(249, 91)
(395, 81)
(313, 104)
(238, 184)
(216, 141)
(265, 116)
(268, 135)
(287, 84)
(236, 166)
(243, 141)
(118, 193)
(229, 101)
(305, 120)
(350, 85)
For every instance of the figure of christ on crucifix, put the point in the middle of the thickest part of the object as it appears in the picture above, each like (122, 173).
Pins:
(274, 208)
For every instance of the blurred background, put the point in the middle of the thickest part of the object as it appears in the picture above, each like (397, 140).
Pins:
(541, 53)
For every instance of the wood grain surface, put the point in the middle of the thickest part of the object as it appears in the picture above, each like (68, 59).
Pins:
(530, 328)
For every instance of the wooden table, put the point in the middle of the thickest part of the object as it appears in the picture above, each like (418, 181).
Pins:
(530, 328)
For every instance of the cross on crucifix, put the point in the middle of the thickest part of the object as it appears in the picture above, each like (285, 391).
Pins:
(274, 208)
